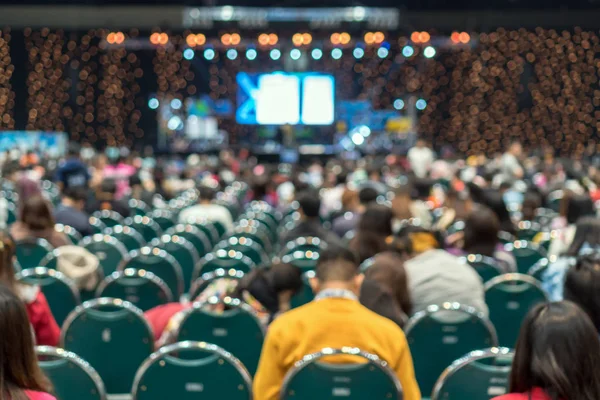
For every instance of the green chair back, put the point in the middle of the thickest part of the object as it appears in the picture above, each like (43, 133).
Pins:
(237, 330)
(304, 244)
(128, 236)
(145, 226)
(200, 284)
(11, 213)
(509, 297)
(60, 292)
(110, 252)
(368, 378)
(526, 253)
(109, 218)
(305, 295)
(554, 199)
(193, 370)
(113, 336)
(441, 334)
(486, 267)
(138, 207)
(539, 269)
(137, 286)
(527, 230)
(258, 236)
(195, 236)
(208, 229)
(161, 264)
(183, 251)
(30, 252)
(305, 260)
(97, 225)
(506, 238)
(74, 236)
(72, 378)
(164, 218)
(480, 375)
(248, 248)
(222, 259)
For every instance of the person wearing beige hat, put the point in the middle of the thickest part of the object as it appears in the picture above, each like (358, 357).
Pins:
(81, 266)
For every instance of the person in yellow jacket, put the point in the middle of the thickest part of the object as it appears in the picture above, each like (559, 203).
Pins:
(334, 319)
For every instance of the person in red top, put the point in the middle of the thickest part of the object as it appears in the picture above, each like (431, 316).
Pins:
(557, 355)
(20, 375)
(47, 332)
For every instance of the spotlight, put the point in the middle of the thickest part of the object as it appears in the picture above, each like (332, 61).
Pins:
(424, 37)
(307, 38)
(188, 54)
(421, 104)
(364, 130)
(369, 38)
(455, 37)
(209, 54)
(358, 139)
(110, 38)
(175, 123)
(273, 39)
(398, 104)
(119, 37)
(336, 54)
(163, 38)
(378, 37)
(358, 53)
(297, 39)
(464, 37)
(176, 104)
(429, 52)
(251, 54)
(190, 40)
(275, 54)
(359, 13)
(317, 54)
(345, 38)
(236, 39)
(408, 51)
(335, 38)
(226, 39)
(232, 54)
(263, 39)
(295, 54)
(155, 38)
(415, 37)
(382, 52)
(153, 103)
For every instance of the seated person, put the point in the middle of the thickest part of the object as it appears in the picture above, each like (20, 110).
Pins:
(354, 210)
(436, 276)
(335, 319)
(310, 222)
(106, 200)
(36, 222)
(205, 209)
(267, 291)
(71, 211)
(374, 229)
(582, 286)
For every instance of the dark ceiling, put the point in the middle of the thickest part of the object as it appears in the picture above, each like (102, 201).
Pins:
(420, 5)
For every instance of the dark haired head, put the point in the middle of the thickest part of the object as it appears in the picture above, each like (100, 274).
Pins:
(108, 186)
(422, 188)
(531, 202)
(388, 271)
(135, 180)
(582, 286)
(19, 370)
(76, 193)
(367, 196)
(74, 149)
(587, 232)
(494, 201)
(36, 214)
(206, 194)
(7, 254)
(374, 227)
(481, 232)
(336, 264)
(559, 351)
(310, 203)
(341, 178)
(574, 207)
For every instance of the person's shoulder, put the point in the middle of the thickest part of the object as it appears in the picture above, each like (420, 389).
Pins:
(293, 317)
(513, 396)
(39, 395)
(379, 323)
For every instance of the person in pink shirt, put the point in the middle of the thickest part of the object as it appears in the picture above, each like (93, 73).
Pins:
(20, 375)
(557, 355)
(120, 172)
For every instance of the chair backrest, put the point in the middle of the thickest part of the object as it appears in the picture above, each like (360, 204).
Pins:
(97, 225)
(164, 218)
(11, 213)
(109, 218)
(200, 284)
(111, 253)
(474, 377)
(527, 230)
(30, 252)
(74, 236)
(441, 334)
(509, 298)
(161, 264)
(72, 378)
(526, 254)
(237, 329)
(195, 236)
(313, 244)
(205, 372)
(247, 247)
(222, 259)
(305, 260)
(139, 207)
(128, 236)
(183, 251)
(306, 294)
(487, 267)
(506, 237)
(60, 292)
(207, 227)
(113, 336)
(369, 378)
(259, 236)
(145, 226)
(137, 286)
